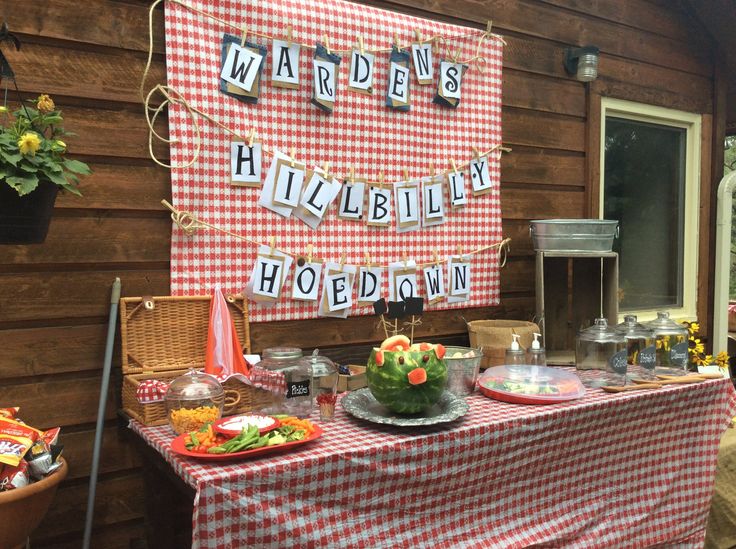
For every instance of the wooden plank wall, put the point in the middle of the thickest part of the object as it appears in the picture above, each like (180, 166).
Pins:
(54, 297)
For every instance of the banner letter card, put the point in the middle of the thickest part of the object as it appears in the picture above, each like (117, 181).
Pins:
(480, 176)
(269, 273)
(434, 283)
(448, 84)
(397, 94)
(351, 200)
(306, 281)
(458, 274)
(282, 187)
(321, 189)
(370, 282)
(433, 201)
(407, 206)
(456, 188)
(379, 207)
(285, 65)
(361, 71)
(402, 280)
(325, 67)
(421, 53)
(245, 164)
(337, 290)
(240, 76)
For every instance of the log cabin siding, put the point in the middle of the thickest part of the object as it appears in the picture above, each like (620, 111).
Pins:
(54, 297)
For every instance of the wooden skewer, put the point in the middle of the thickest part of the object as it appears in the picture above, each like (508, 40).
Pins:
(672, 381)
(624, 388)
(702, 376)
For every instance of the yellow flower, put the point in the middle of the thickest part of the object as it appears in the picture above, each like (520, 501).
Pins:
(694, 327)
(722, 359)
(45, 104)
(696, 346)
(701, 360)
(29, 143)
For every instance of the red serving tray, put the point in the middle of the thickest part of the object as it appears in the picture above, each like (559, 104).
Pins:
(178, 447)
(219, 425)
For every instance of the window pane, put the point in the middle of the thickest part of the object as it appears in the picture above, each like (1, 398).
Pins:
(644, 189)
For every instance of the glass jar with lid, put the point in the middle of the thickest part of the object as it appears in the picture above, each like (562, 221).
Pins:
(192, 400)
(324, 384)
(640, 349)
(671, 341)
(600, 355)
(296, 399)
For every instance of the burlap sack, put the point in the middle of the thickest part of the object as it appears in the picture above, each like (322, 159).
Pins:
(494, 336)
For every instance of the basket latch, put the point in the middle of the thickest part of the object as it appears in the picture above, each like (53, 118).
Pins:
(148, 302)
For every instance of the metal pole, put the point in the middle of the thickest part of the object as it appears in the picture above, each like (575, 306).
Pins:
(114, 300)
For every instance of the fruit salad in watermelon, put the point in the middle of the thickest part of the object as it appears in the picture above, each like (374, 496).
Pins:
(406, 378)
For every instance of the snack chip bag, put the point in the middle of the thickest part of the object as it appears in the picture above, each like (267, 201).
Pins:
(15, 440)
(9, 413)
(14, 477)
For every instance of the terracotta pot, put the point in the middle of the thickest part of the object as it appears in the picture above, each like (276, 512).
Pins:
(25, 219)
(22, 509)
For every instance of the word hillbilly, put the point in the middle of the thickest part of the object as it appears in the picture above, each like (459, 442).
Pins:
(243, 63)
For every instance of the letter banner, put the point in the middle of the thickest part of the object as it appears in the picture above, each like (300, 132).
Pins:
(222, 187)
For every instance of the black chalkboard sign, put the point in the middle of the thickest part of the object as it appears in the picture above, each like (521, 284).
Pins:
(678, 354)
(618, 362)
(298, 388)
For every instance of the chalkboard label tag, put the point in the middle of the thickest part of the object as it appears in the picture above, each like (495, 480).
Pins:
(648, 357)
(618, 362)
(297, 388)
(678, 354)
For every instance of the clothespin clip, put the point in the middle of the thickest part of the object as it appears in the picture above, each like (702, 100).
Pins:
(396, 42)
(309, 253)
(506, 149)
(288, 36)
(361, 47)
(326, 40)
(431, 170)
(292, 154)
(326, 170)
(351, 178)
(460, 250)
(436, 258)
(454, 166)
(368, 260)
(489, 26)
(418, 35)
(380, 180)
(251, 137)
(405, 259)
(272, 243)
(342, 260)
(244, 36)
(406, 174)
(476, 153)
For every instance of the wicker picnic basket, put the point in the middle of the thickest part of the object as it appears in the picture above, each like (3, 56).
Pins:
(163, 337)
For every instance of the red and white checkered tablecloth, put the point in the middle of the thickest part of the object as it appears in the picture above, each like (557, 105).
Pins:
(361, 132)
(628, 470)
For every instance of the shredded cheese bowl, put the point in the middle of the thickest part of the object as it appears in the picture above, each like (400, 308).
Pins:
(193, 400)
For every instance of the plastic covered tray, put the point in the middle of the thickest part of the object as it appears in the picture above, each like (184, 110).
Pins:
(530, 384)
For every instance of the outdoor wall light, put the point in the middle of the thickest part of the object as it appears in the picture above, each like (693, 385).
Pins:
(582, 62)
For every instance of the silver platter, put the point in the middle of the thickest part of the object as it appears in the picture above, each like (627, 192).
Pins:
(363, 404)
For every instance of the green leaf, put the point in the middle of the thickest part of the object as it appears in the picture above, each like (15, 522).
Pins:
(23, 185)
(11, 158)
(72, 189)
(59, 179)
(76, 166)
(27, 167)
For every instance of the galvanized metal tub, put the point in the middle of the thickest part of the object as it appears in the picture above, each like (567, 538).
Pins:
(573, 235)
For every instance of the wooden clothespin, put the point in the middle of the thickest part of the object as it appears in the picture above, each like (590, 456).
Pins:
(309, 253)
(292, 154)
(326, 40)
(396, 42)
(288, 36)
(506, 149)
(244, 36)
(368, 260)
(489, 26)
(326, 170)
(476, 153)
(436, 258)
(405, 259)
(380, 180)
(343, 257)
(418, 35)
(454, 166)
(251, 137)
(272, 243)
(361, 46)
(431, 170)
(351, 178)
(460, 250)
(406, 174)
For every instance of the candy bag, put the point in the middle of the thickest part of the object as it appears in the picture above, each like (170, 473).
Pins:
(15, 440)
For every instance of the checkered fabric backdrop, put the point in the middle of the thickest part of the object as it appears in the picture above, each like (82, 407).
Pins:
(361, 132)
(610, 470)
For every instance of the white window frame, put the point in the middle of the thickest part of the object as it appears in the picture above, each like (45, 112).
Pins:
(692, 123)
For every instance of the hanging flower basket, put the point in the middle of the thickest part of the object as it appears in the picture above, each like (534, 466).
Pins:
(25, 219)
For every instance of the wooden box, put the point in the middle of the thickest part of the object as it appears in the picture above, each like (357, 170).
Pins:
(572, 289)
(163, 337)
(356, 379)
